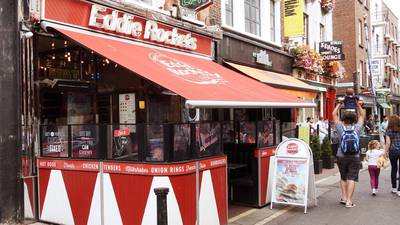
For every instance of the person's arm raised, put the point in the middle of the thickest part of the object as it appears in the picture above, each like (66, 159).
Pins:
(361, 113)
(335, 113)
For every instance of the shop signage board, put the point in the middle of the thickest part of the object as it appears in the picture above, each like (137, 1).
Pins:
(331, 50)
(293, 18)
(262, 57)
(293, 179)
(110, 21)
(195, 4)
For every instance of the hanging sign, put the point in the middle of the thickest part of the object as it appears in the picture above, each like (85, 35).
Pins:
(195, 5)
(293, 18)
(331, 50)
(293, 173)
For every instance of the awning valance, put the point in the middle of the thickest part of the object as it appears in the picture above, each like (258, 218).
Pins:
(275, 79)
(201, 81)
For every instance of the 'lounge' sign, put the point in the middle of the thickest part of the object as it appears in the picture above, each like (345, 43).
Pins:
(195, 4)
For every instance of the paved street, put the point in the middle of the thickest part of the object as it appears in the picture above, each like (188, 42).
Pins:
(382, 209)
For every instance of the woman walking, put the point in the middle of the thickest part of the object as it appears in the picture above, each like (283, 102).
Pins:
(392, 149)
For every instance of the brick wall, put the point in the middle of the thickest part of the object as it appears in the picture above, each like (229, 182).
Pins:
(345, 27)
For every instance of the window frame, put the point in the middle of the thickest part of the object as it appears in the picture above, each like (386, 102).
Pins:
(265, 26)
(360, 35)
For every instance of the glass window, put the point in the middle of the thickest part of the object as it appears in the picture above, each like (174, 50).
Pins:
(125, 143)
(322, 32)
(272, 18)
(377, 42)
(229, 12)
(265, 136)
(361, 70)
(181, 142)
(84, 141)
(360, 32)
(208, 139)
(54, 141)
(305, 18)
(247, 132)
(155, 143)
(252, 16)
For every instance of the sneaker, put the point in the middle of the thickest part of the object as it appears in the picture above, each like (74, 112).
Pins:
(373, 191)
(350, 205)
(394, 190)
(398, 193)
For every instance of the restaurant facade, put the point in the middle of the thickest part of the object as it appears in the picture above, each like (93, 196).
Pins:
(119, 101)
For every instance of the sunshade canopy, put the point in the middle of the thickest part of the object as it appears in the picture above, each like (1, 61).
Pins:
(202, 82)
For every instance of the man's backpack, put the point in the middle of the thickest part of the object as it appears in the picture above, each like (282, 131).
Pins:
(350, 141)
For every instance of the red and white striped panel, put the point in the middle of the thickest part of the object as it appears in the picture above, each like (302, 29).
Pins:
(29, 193)
(68, 197)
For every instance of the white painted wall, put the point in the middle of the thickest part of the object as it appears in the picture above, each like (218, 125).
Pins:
(315, 17)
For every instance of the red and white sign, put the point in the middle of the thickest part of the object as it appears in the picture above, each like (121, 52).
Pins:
(106, 20)
(293, 148)
(69, 165)
(149, 169)
(119, 133)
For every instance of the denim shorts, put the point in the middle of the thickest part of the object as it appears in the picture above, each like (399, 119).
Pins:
(349, 167)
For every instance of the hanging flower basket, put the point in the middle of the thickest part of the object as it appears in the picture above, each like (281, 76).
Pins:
(327, 5)
(308, 60)
(333, 69)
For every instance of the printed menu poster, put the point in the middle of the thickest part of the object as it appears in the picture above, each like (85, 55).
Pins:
(291, 178)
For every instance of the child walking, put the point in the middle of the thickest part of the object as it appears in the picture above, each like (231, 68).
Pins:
(372, 157)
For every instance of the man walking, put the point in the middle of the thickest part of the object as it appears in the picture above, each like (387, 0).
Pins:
(348, 154)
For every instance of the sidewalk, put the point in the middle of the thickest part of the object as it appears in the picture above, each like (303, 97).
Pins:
(265, 215)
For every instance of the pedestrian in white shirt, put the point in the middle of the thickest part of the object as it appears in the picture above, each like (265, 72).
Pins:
(372, 157)
(322, 128)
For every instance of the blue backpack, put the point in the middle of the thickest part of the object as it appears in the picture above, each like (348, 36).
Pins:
(350, 141)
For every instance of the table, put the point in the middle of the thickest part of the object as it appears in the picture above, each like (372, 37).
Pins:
(231, 167)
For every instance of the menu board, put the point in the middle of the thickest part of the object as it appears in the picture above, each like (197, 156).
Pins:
(291, 180)
(54, 141)
(127, 108)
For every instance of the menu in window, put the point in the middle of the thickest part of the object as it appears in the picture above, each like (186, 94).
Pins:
(55, 141)
(127, 108)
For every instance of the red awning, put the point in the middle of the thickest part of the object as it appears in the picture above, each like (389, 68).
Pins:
(201, 81)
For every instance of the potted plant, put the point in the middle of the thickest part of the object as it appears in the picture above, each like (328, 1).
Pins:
(327, 158)
(316, 149)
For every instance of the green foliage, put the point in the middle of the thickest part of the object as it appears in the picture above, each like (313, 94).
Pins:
(316, 147)
(326, 147)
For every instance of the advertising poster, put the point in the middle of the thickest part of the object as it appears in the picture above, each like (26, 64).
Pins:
(293, 18)
(84, 141)
(291, 181)
(208, 139)
(55, 141)
(304, 134)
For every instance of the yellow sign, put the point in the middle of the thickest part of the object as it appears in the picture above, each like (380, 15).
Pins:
(304, 134)
(142, 104)
(293, 18)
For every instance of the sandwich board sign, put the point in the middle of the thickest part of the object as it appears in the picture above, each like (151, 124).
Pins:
(293, 179)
